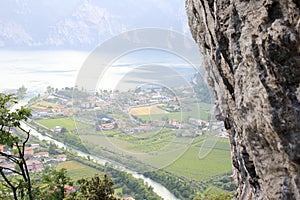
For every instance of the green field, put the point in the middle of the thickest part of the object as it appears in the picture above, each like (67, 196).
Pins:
(177, 155)
(191, 166)
(141, 143)
(68, 123)
(77, 170)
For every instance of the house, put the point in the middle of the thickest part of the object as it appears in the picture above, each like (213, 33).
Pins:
(69, 189)
(44, 113)
(35, 146)
(145, 127)
(1, 147)
(121, 124)
(57, 129)
(34, 165)
(175, 123)
(107, 126)
(49, 160)
(41, 154)
(223, 134)
(29, 151)
(129, 198)
(61, 158)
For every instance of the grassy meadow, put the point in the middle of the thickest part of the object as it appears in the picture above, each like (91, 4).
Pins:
(193, 167)
(77, 170)
(68, 123)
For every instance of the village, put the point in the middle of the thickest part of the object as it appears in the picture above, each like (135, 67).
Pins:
(135, 111)
(36, 159)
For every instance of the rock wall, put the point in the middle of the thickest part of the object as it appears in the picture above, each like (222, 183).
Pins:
(251, 53)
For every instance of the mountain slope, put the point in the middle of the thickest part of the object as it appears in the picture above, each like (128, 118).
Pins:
(83, 24)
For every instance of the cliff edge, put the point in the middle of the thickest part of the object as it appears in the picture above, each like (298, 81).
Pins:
(251, 53)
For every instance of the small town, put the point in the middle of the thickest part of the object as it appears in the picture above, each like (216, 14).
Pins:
(142, 110)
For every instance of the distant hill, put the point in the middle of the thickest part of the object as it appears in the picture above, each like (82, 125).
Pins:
(82, 24)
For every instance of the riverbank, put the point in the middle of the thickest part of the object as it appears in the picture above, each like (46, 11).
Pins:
(157, 188)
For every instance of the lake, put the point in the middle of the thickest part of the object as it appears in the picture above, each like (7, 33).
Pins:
(38, 69)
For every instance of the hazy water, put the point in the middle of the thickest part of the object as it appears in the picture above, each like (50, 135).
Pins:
(38, 69)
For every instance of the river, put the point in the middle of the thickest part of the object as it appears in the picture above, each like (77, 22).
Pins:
(159, 189)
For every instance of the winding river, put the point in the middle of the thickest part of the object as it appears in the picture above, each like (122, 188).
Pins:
(159, 189)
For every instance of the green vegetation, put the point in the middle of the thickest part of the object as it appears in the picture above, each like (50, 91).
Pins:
(188, 164)
(78, 170)
(97, 188)
(140, 148)
(191, 166)
(20, 184)
(45, 105)
(21, 92)
(124, 183)
(68, 123)
(185, 189)
(200, 88)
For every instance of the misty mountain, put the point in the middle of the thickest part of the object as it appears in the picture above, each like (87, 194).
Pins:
(83, 24)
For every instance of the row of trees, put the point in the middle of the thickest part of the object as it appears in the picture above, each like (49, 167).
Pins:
(180, 187)
(183, 188)
(130, 185)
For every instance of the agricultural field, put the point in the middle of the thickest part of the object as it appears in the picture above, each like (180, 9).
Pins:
(139, 143)
(147, 110)
(190, 165)
(77, 170)
(194, 110)
(68, 123)
(45, 105)
(176, 155)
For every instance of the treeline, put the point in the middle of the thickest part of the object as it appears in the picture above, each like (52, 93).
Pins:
(130, 185)
(180, 187)
(186, 189)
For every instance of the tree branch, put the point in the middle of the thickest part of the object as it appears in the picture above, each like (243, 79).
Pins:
(12, 170)
(10, 184)
(21, 164)
(28, 134)
(9, 156)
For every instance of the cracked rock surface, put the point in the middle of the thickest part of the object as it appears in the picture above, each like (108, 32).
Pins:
(251, 53)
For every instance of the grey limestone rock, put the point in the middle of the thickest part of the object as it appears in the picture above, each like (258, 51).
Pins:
(251, 52)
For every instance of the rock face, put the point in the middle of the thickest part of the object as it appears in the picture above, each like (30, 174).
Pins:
(251, 52)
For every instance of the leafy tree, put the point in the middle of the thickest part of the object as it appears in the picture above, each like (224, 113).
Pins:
(63, 130)
(10, 122)
(21, 92)
(55, 182)
(97, 188)
(50, 90)
(201, 89)
(52, 148)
